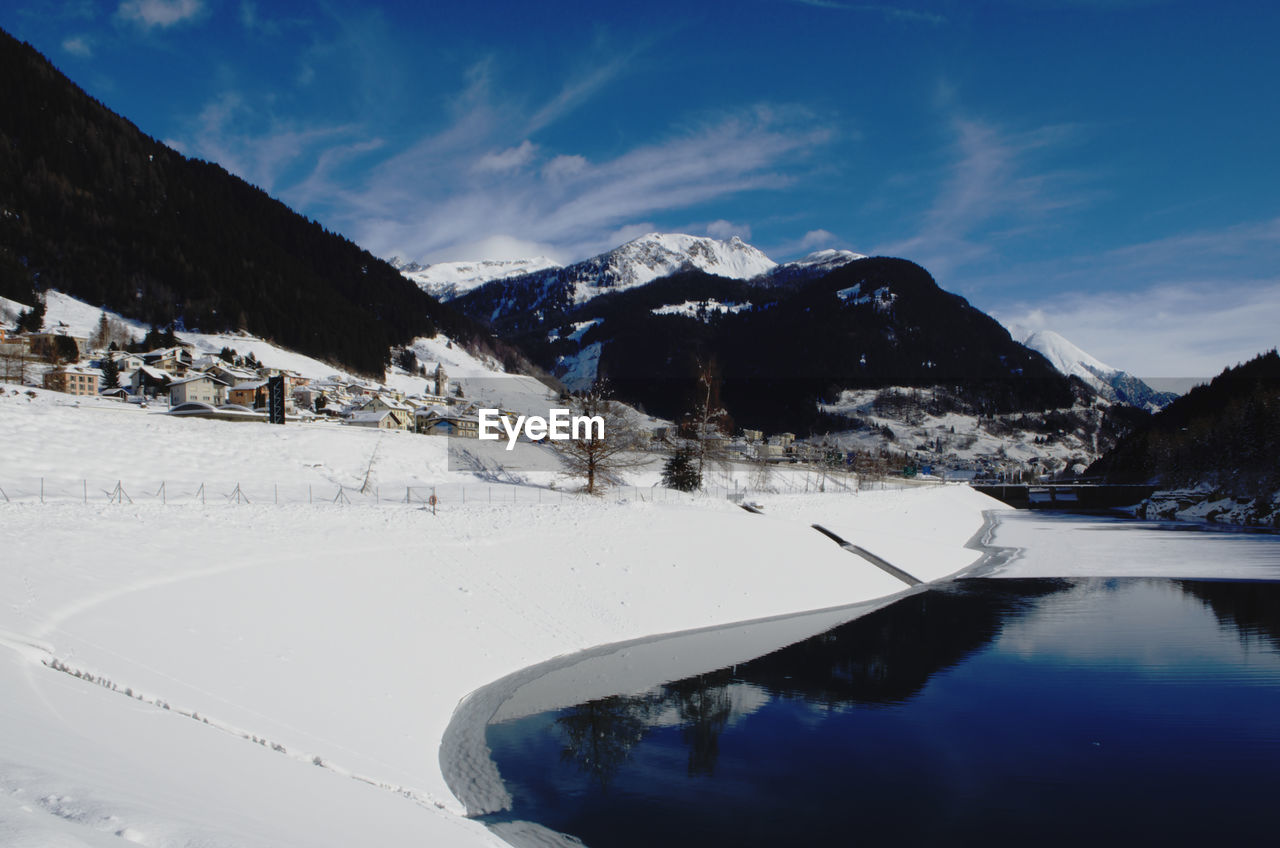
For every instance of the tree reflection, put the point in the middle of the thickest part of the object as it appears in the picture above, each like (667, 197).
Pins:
(599, 735)
(1250, 608)
(704, 707)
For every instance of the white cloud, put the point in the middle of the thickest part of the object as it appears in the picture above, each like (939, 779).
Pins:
(725, 230)
(1189, 329)
(159, 13)
(510, 159)
(817, 239)
(499, 247)
(478, 179)
(564, 167)
(419, 203)
(78, 46)
(1186, 305)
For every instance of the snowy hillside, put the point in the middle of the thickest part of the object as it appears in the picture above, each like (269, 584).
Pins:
(1109, 382)
(192, 668)
(447, 280)
(903, 420)
(481, 379)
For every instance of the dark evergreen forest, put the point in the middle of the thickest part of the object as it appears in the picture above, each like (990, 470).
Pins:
(1226, 433)
(93, 207)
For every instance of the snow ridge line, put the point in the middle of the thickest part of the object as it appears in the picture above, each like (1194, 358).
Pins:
(420, 798)
(33, 648)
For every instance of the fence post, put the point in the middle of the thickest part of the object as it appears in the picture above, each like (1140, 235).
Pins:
(41, 490)
(86, 490)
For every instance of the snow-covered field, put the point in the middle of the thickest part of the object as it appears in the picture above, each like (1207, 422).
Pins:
(186, 671)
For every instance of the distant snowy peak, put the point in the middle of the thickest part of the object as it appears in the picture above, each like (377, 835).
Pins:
(447, 280)
(825, 260)
(1111, 383)
(1066, 357)
(810, 267)
(655, 255)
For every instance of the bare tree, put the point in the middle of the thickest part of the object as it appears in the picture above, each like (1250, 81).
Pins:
(13, 362)
(597, 453)
(707, 426)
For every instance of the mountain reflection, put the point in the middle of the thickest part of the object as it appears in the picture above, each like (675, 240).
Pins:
(885, 657)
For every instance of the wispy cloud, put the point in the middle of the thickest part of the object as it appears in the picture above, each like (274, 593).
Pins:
(159, 13)
(994, 188)
(579, 90)
(263, 158)
(78, 45)
(510, 159)
(478, 181)
(567, 203)
(891, 13)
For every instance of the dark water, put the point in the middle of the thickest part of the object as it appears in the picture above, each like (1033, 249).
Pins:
(1016, 711)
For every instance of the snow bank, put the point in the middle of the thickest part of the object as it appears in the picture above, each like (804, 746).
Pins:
(260, 674)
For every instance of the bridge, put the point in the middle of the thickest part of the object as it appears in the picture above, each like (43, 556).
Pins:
(1066, 495)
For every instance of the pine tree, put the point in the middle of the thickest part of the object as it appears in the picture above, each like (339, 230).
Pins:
(110, 374)
(32, 320)
(680, 471)
(102, 335)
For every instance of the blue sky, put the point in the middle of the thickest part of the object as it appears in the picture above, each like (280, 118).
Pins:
(1104, 169)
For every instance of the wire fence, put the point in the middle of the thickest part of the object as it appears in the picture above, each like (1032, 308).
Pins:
(137, 491)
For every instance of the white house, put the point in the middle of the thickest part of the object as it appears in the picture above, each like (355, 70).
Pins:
(201, 387)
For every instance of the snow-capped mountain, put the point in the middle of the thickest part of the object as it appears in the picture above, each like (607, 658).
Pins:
(1111, 383)
(655, 255)
(447, 280)
(806, 268)
(539, 294)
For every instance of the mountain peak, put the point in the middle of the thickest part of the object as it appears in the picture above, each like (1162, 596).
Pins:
(447, 280)
(1110, 383)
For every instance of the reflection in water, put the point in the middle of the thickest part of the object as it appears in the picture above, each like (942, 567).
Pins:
(888, 657)
(1038, 710)
(599, 735)
(704, 708)
(883, 658)
(1240, 607)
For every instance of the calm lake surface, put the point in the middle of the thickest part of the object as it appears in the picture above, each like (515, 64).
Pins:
(1009, 709)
